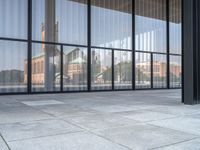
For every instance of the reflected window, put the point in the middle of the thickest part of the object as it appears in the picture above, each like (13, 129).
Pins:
(49, 56)
(175, 26)
(122, 70)
(101, 69)
(142, 70)
(150, 25)
(13, 66)
(175, 71)
(13, 18)
(159, 71)
(111, 23)
(74, 68)
(63, 21)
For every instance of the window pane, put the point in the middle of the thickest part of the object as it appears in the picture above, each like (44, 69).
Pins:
(159, 71)
(111, 23)
(123, 69)
(175, 26)
(101, 69)
(175, 71)
(74, 68)
(13, 19)
(143, 70)
(13, 66)
(150, 25)
(60, 21)
(45, 67)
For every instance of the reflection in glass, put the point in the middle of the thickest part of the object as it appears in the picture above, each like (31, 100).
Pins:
(159, 71)
(123, 69)
(111, 23)
(62, 21)
(175, 71)
(45, 67)
(74, 68)
(175, 26)
(101, 69)
(142, 70)
(13, 18)
(150, 25)
(13, 67)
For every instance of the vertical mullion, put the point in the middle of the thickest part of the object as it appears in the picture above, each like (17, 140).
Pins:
(61, 69)
(89, 44)
(152, 70)
(29, 46)
(168, 43)
(182, 52)
(113, 70)
(133, 44)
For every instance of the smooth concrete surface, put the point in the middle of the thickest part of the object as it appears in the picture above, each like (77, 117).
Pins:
(128, 120)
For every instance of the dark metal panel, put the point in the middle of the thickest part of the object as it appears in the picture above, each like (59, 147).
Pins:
(61, 68)
(168, 43)
(29, 45)
(89, 46)
(188, 40)
(133, 44)
(152, 70)
(113, 70)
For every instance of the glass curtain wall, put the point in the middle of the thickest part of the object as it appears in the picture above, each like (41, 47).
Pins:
(142, 70)
(54, 54)
(175, 34)
(13, 53)
(123, 69)
(60, 21)
(111, 31)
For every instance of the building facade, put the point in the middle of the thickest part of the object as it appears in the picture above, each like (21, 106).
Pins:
(90, 45)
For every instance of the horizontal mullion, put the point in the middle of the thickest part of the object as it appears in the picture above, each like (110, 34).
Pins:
(13, 39)
(61, 44)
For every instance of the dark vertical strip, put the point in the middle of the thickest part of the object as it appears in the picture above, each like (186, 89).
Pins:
(61, 69)
(151, 70)
(113, 70)
(29, 44)
(89, 46)
(195, 54)
(133, 44)
(182, 58)
(168, 42)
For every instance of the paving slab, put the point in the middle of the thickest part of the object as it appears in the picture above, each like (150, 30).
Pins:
(183, 123)
(21, 114)
(146, 115)
(74, 141)
(3, 145)
(42, 102)
(144, 137)
(188, 145)
(103, 121)
(19, 131)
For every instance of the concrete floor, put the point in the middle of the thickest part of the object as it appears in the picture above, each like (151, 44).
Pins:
(99, 121)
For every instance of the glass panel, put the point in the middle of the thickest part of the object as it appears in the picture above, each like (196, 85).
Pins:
(111, 22)
(175, 26)
(142, 70)
(150, 25)
(101, 69)
(159, 71)
(175, 71)
(13, 18)
(60, 21)
(123, 69)
(74, 68)
(13, 66)
(45, 67)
